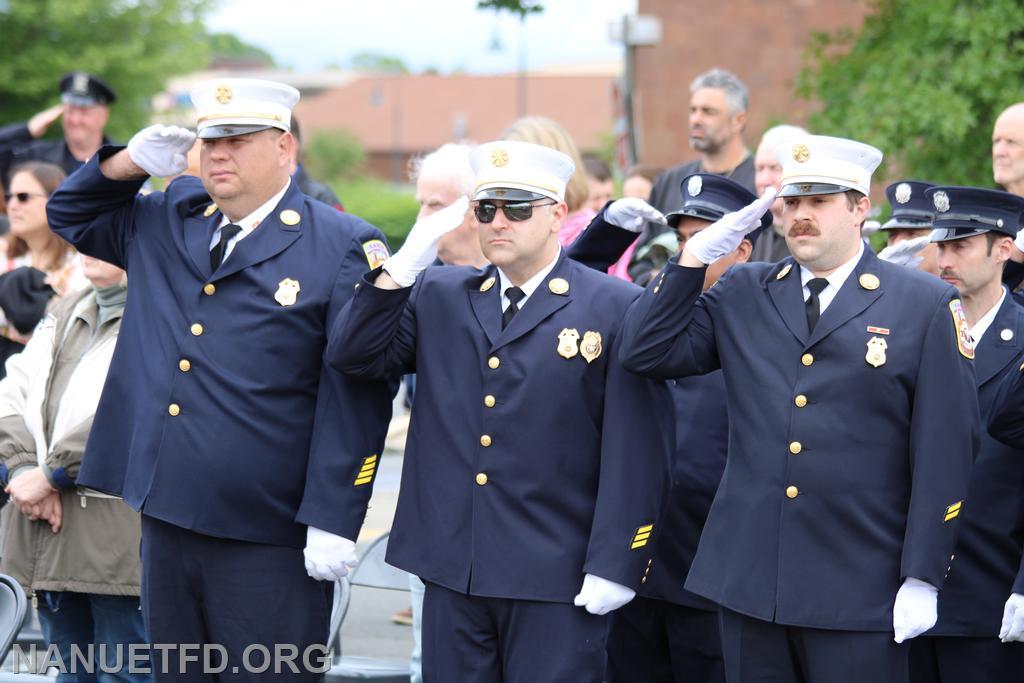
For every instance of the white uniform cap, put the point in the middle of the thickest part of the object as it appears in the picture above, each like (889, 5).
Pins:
(818, 164)
(518, 171)
(236, 106)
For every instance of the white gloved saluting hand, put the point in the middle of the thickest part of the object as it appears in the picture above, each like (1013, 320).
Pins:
(905, 253)
(328, 557)
(161, 150)
(601, 596)
(725, 234)
(1013, 619)
(420, 248)
(632, 213)
(915, 610)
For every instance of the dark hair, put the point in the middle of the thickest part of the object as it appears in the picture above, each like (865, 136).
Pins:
(49, 176)
(852, 197)
(596, 168)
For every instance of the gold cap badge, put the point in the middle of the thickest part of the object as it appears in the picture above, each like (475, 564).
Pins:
(223, 94)
(801, 153)
(784, 272)
(558, 286)
(210, 210)
(869, 281)
(590, 349)
(289, 217)
(499, 157)
(486, 284)
(287, 291)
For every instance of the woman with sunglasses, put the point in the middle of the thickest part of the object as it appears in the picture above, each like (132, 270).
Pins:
(31, 244)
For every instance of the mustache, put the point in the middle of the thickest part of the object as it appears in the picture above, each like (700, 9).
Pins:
(946, 272)
(804, 228)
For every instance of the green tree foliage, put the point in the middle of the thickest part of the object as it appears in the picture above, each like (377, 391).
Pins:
(520, 7)
(392, 208)
(923, 80)
(135, 45)
(378, 63)
(230, 46)
(333, 154)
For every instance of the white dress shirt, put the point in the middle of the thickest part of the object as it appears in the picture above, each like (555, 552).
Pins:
(985, 321)
(835, 280)
(528, 287)
(249, 223)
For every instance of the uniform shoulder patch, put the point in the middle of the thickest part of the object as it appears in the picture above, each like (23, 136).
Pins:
(964, 343)
(376, 253)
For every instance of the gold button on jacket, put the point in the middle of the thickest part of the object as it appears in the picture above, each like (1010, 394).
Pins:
(792, 492)
(807, 359)
(481, 479)
(800, 401)
(795, 447)
(485, 441)
(493, 362)
(174, 409)
(196, 329)
(209, 289)
(184, 365)
(489, 401)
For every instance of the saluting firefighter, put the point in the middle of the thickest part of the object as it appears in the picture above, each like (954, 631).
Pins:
(853, 425)
(974, 231)
(668, 634)
(536, 466)
(250, 460)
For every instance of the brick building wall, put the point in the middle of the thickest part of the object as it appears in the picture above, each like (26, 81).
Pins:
(762, 41)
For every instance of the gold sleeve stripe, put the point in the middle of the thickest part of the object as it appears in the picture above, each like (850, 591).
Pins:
(367, 471)
(953, 511)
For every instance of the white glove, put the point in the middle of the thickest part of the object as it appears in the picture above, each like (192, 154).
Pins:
(1013, 619)
(161, 150)
(420, 248)
(725, 234)
(631, 213)
(1018, 241)
(914, 611)
(905, 253)
(600, 596)
(328, 557)
(870, 228)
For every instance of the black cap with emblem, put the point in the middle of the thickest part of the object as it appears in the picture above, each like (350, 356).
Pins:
(966, 211)
(709, 197)
(911, 209)
(84, 90)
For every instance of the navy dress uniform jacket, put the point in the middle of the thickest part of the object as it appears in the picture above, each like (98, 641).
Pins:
(702, 437)
(524, 469)
(266, 438)
(987, 568)
(842, 478)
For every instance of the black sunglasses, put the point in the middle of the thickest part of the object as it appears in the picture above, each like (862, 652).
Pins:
(22, 197)
(514, 211)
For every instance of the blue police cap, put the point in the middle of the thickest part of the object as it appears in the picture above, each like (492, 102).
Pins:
(709, 197)
(966, 211)
(911, 209)
(82, 89)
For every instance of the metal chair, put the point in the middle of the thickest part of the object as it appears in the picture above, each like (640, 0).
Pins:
(13, 609)
(372, 572)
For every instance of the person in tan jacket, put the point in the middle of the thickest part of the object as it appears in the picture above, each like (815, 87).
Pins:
(75, 551)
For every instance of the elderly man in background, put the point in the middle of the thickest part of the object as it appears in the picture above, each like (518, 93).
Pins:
(84, 106)
(771, 245)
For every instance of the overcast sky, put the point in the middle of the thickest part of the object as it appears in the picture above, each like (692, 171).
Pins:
(445, 34)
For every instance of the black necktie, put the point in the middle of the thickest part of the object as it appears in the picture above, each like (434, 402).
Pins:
(515, 295)
(217, 253)
(813, 305)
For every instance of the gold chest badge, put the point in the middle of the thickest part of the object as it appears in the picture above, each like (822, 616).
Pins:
(590, 349)
(568, 340)
(287, 291)
(876, 352)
